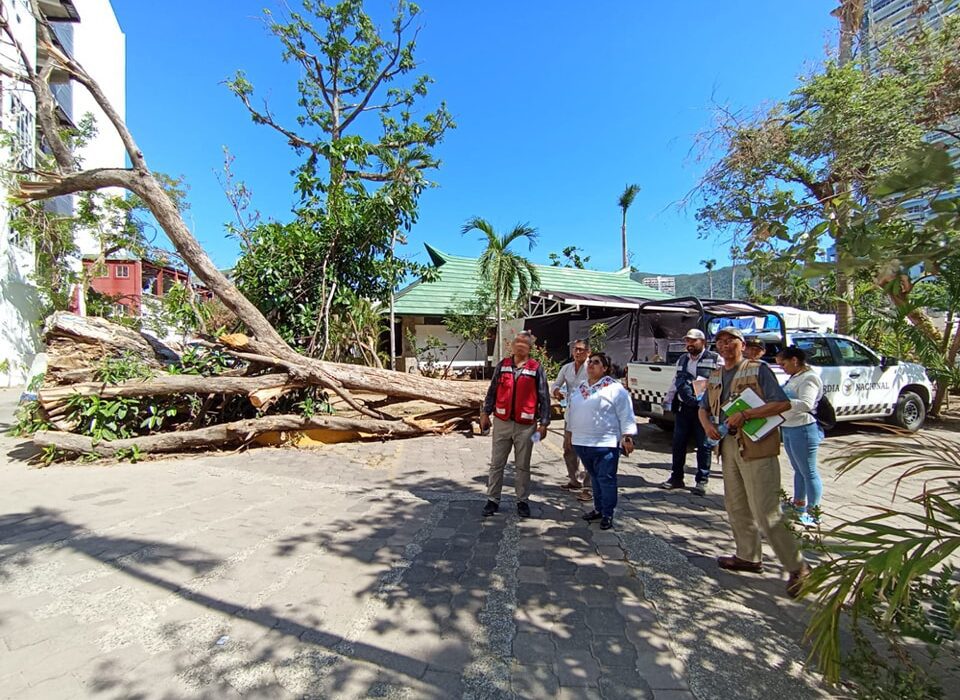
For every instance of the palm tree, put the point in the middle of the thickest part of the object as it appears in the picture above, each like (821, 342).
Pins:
(709, 264)
(503, 269)
(624, 202)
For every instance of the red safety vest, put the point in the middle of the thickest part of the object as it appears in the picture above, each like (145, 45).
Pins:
(517, 401)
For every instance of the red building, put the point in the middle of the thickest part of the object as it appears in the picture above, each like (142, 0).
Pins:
(128, 279)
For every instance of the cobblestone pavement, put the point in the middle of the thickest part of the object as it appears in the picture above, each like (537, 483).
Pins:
(365, 570)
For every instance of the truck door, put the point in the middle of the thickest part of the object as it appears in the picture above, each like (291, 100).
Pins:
(820, 356)
(861, 385)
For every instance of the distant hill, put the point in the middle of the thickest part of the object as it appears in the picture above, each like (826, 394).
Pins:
(698, 284)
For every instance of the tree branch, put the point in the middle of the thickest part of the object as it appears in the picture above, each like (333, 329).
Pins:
(55, 185)
(46, 105)
(267, 119)
(386, 73)
(78, 73)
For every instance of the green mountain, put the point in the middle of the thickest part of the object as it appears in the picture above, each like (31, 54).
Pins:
(697, 284)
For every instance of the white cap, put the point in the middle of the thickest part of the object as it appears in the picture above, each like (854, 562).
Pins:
(695, 334)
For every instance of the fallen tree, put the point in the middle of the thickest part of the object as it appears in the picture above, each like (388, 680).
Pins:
(271, 364)
(225, 435)
(162, 407)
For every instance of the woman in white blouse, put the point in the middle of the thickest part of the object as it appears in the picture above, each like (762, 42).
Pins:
(601, 422)
(801, 433)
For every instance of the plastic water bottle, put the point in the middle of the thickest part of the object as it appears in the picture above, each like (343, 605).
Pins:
(563, 397)
(724, 430)
(535, 438)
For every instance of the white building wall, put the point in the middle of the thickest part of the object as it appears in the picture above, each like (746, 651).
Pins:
(100, 46)
(19, 304)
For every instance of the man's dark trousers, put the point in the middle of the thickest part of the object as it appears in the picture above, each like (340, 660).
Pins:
(687, 424)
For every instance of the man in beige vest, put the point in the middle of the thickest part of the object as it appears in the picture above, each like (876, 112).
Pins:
(751, 469)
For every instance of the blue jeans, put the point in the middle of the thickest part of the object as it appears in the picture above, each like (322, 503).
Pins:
(687, 425)
(601, 464)
(801, 444)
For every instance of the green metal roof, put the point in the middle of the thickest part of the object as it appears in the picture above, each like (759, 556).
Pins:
(458, 279)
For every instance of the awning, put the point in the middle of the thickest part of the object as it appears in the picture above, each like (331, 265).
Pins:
(546, 303)
(718, 308)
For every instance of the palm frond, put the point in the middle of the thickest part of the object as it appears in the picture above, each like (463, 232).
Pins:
(913, 455)
(880, 566)
(477, 223)
(625, 200)
(520, 231)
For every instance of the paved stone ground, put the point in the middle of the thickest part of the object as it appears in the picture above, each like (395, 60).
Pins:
(364, 570)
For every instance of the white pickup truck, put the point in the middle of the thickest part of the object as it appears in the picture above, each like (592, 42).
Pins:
(859, 383)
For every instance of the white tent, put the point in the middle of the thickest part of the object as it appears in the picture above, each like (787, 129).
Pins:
(797, 319)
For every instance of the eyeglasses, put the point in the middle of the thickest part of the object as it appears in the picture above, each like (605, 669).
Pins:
(579, 349)
(594, 362)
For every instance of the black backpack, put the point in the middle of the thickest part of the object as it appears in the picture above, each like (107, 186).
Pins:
(824, 413)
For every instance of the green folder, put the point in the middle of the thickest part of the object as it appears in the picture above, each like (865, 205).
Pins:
(751, 426)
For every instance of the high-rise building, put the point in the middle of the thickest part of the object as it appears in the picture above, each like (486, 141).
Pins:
(87, 30)
(885, 20)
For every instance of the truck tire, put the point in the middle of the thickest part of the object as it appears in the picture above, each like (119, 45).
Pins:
(910, 412)
(664, 425)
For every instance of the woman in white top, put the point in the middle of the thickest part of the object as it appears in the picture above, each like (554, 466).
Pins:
(601, 422)
(801, 433)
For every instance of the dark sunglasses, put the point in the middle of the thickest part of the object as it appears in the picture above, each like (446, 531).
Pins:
(594, 362)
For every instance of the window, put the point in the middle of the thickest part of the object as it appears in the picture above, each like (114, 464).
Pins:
(122, 271)
(818, 351)
(23, 134)
(853, 354)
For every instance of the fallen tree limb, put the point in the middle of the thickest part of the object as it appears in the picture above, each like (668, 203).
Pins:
(226, 434)
(360, 378)
(164, 385)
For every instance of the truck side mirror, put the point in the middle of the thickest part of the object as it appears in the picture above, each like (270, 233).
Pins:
(889, 361)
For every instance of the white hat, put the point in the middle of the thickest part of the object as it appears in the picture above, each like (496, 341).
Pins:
(695, 334)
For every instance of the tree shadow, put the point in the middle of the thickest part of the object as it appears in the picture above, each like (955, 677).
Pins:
(25, 451)
(432, 589)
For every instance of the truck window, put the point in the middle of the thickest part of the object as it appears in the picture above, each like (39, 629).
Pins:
(853, 354)
(818, 351)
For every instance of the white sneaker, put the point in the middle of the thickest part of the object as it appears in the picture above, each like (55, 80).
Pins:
(700, 489)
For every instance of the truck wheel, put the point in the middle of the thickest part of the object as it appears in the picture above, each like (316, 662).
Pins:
(910, 412)
(664, 425)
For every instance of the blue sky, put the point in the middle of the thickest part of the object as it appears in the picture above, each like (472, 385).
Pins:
(558, 104)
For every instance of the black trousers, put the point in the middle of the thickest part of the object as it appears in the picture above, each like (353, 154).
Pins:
(686, 426)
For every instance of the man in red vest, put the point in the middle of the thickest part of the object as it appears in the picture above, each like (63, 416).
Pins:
(519, 401)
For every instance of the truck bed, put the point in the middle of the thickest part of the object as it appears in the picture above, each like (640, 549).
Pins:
(648, 384)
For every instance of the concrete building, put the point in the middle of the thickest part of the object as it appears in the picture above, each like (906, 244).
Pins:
(136, 285)
(885, 20)
(88, 30)
(665, 284)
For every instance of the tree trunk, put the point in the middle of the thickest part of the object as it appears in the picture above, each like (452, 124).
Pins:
(623, 238)
(166, 385)
(224, 435)
(850, 15)
(393, 319)
(499, 332)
